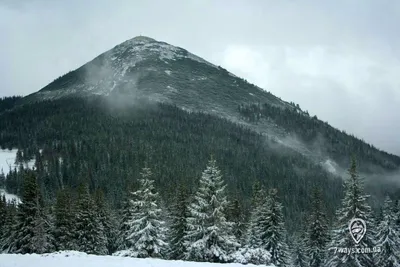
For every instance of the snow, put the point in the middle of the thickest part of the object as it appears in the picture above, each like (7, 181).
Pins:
(121, 61)
(7, 159)
(9, 197)
(74, 258)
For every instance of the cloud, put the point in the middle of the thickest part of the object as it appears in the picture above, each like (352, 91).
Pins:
(353, 90)
(337, 59)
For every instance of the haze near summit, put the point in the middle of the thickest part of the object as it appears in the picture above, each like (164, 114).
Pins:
(337, 59)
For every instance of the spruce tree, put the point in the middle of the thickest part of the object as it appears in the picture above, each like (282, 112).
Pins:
(3, 214)
(317, 236)
(125, 215)
(64, 229)
(252, 250)
(388, 238)
(89, 233)
(235, 215)
(210, 236)
(354, 205)
(146, 228)
(273, 232)
(107, 220)
(32, 235)
(299, 253)
(253, 231)
(7, 240)
(180, 214)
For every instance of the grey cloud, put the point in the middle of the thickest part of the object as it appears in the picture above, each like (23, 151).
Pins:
(328, 40)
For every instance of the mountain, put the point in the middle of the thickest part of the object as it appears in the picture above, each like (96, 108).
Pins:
(146, 101)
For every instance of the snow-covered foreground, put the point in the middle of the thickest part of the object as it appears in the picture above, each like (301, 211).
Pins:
(77, 259)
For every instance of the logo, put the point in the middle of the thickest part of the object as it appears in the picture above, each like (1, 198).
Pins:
(357, 228)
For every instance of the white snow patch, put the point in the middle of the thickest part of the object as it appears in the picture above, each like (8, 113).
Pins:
(7, 161)
(9, 197)
(73, 258)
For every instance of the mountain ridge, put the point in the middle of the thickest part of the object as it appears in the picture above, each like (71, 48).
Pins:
(144, 67)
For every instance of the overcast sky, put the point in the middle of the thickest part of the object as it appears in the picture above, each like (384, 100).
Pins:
(337, 59)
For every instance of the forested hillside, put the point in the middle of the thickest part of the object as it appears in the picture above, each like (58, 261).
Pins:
(94, 142)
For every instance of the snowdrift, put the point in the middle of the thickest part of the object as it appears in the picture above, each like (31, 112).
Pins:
(77, 259)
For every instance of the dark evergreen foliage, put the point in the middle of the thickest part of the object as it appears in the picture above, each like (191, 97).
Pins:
(89, 139)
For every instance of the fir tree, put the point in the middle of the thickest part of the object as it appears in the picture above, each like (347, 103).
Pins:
(32, 235)
(210, 236)
(354, 205)
(317, 232)
(3, 214)
(64, 231)
(146, 233)
(125, 215)
(43, 238)
(273, 232)
(252, 251)
(108, 221)
(7, 240)
(235, 215)
(299, 253)
(180, 214)
(388, 238)
(253, 231)
(89, 233)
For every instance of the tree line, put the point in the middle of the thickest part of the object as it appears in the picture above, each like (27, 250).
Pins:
(202, 225)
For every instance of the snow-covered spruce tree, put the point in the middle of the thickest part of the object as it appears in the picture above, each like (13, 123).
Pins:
(32, 232)
(43, 226)
(146, 231)
(388, 237)
(273, 232)
(64, 228)
(252, 251)
(125, 215)
(354, 205)
(107, 220)
(180, 214)
(235, 215)
(210, 236)
(7, 239)
(89, 234)
(3, 214)
(299, 254)
(317, 236)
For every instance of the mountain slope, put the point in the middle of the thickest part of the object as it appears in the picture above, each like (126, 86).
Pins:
(99, 124)
(144, 67)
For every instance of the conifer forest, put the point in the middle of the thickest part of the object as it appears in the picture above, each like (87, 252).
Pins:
(160, 182)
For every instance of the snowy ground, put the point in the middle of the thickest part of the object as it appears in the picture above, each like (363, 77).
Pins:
(7, 159)
(9, 197)
(76, 259)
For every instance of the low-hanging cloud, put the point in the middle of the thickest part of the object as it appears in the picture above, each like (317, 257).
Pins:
(337, 59)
